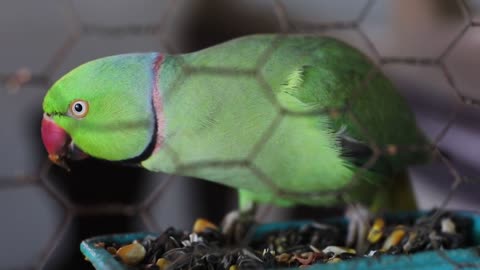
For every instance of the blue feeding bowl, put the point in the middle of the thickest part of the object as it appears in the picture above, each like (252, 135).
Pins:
(462, 258)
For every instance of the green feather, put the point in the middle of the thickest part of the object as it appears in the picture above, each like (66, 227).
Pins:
(252, 114)
(218, 112)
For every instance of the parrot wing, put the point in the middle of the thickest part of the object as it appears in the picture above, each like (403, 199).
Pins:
(362, 114)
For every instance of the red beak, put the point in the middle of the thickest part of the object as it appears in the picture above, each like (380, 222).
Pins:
(58, 143)
(55, 140)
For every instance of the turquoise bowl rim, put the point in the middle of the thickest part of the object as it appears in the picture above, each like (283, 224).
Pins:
(466, 258)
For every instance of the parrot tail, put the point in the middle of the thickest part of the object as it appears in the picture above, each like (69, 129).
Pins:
(398, 195)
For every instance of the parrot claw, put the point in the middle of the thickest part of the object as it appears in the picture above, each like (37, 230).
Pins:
(237, 224)
(358, 225)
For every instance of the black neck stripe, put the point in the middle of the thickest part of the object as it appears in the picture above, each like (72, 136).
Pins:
(150, 147)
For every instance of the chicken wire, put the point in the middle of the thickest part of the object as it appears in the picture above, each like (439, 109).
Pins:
(449, 53)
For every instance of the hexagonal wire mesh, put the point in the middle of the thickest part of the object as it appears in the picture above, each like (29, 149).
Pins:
(426, 47)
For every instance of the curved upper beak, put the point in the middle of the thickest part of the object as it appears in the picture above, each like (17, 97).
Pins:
(58, 143)
(55, 140)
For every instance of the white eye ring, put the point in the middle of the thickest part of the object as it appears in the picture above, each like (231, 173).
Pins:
(79, 108)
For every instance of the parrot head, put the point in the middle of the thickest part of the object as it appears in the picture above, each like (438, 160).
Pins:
(103, 109)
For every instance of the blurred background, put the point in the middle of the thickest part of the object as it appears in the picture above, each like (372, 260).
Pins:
(430, 49)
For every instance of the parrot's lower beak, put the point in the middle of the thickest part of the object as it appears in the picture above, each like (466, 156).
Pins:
(58, 143)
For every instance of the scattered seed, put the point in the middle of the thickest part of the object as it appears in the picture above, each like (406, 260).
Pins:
(394, 238)
(251, 255)
(313, 243)
(435, 239)
(334, 260)
(112, 250)
(335, 251)
(376, 232)
(131, 254)
(412, 237)
(314, 249)
(305, 258)
(99, 245)
(162, 263)
(283, 258)
(201, 224)
(447, 225)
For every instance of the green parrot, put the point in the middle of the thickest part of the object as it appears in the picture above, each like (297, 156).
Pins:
(283, 119)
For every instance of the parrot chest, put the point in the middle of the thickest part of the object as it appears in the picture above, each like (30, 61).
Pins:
(234, 136)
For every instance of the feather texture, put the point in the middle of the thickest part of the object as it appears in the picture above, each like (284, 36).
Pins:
(232, 108)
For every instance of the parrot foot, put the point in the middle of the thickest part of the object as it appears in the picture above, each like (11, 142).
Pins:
(359, 218)
(237, 224)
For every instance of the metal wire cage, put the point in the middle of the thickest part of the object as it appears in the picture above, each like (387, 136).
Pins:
(428, 48)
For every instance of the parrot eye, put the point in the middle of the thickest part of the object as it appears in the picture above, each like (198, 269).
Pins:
(79, 108)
